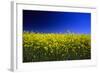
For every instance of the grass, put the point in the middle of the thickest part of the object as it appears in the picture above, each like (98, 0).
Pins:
(55, 47)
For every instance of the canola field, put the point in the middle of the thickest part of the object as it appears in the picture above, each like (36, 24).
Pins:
(38, 47)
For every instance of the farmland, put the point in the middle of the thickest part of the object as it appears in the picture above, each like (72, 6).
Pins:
(38, 47)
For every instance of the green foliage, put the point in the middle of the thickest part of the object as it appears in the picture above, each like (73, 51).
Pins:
(55, 47)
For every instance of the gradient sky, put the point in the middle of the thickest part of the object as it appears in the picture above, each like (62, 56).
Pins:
(56, 22)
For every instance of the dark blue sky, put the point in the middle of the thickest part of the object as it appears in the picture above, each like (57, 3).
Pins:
(56, 22)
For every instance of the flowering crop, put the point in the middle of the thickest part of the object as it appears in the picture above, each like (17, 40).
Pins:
(55, 47)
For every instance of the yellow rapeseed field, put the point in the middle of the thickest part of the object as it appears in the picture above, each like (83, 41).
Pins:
(55, 47)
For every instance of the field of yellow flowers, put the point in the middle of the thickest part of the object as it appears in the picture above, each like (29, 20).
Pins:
(55, 47)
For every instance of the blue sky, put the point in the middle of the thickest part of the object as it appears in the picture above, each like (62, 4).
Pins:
(56, 22)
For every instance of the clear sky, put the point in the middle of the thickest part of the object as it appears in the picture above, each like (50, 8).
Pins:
(56, 22)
